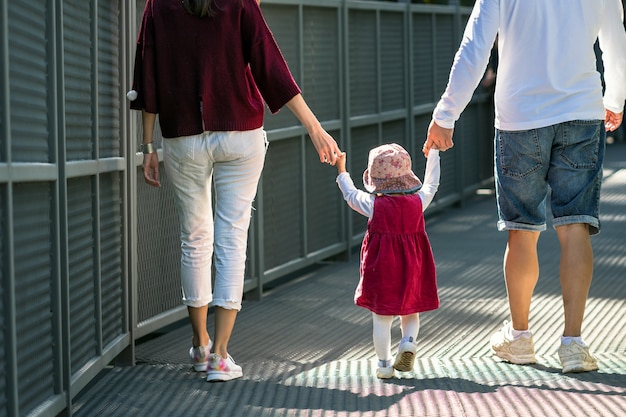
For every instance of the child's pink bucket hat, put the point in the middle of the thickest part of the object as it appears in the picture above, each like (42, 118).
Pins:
(389, 171)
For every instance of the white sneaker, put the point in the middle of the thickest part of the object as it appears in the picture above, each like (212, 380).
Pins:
(200, 357)
(385, 370)
(520, 351)
(220, 369)
(405, 359)
(576, 358)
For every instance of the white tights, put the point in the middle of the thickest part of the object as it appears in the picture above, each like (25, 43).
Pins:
(409, 324)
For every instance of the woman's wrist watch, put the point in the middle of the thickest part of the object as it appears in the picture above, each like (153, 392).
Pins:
(147, 148)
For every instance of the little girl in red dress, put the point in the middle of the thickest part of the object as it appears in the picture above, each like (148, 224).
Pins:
(397, 271)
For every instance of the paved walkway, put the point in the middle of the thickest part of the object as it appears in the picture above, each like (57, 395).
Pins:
(306, 349)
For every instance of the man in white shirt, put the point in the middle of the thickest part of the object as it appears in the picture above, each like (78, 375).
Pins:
(551, 118)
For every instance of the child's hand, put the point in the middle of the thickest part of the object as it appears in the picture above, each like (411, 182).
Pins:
(341, 163)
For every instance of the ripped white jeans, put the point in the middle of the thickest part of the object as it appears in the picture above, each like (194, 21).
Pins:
(233, 162)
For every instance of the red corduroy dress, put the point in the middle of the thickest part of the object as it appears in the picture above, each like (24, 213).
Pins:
(397, 269)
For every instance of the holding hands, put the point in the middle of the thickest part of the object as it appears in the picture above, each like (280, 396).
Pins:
(438, 138)
(612, 120)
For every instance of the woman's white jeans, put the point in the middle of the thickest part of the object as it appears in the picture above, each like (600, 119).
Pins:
(233, 162)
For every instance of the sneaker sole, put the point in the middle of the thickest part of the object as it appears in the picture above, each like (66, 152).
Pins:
(405, 362)
(384, 374)
(578, 367)
(516, 359)
(200, 367)
(213, 376)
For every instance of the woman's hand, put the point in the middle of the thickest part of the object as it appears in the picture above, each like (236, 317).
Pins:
(151, 169)
(325, 145)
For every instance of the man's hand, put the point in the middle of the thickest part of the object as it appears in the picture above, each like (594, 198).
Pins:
(438, 138)
(612, 120)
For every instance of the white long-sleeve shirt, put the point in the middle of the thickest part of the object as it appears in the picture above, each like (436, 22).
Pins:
(363, 202)
(546, 65)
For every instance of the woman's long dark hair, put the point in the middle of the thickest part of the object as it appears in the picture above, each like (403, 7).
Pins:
(201, 8)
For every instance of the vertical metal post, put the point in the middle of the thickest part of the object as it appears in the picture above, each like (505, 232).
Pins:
(61, 297)
(344, 33)
(129, 128)
(8, 268)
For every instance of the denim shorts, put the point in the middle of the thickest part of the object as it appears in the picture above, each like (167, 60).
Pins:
(562, 162)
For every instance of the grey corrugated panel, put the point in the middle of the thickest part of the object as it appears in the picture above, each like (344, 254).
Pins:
(393, 58)
(423, 53)
(29, 85)
(33, 280)
(284, 21)
(470, 149)
(323, 220)
(446, 45)
(78, 85)
(3, 305)
(158, 248)
(395, 131)
(282, 203)
(321, 62)
(81, 243)
(111, 256)
(362, 140)
(108, 63)
(363, 65)
(448, 181)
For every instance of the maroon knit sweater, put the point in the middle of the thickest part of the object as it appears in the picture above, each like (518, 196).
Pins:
(208, 74)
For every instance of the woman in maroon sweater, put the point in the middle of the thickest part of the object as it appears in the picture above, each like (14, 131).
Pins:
(207, 67)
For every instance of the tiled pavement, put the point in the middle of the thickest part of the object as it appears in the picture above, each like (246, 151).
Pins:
(306, 349)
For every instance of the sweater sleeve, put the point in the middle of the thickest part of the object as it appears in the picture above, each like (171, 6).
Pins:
(144, 73)
(469, 63)
(358, 200)
(612, 40)
(269, 69)
(431, 178)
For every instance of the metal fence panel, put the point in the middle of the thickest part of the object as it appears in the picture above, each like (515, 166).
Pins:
(112, 265)
(32, 218)
(363, 65)
(423, 52)
(82, 291)
(321, 61)
(284, 20)
(109, 100)
(78, 76)
(3, 305)
(323, 215)
(393, 57)
(158, 250)
(282, 203)
(28, 58)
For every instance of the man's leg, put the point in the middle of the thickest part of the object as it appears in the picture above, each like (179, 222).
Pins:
(576, 271)
(521, 272)
(514, 341)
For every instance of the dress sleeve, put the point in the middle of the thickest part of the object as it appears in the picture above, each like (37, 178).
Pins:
(431, 178)
(358, 200)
